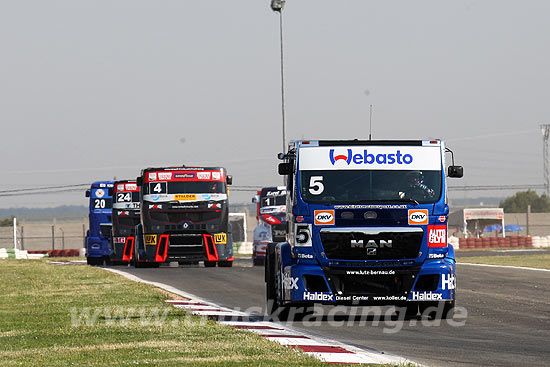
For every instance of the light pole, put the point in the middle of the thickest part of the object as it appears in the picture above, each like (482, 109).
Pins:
(545, 129)
(277, 6)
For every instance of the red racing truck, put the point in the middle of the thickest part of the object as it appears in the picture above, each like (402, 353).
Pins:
(184, 217)
(125, 218)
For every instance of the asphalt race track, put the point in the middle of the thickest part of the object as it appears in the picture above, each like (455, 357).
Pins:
(508, 321)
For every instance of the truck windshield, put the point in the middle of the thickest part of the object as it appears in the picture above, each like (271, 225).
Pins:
(365, 186)
(185, 187)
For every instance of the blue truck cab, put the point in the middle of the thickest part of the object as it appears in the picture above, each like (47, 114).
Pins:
(367, 225)
(99, 234)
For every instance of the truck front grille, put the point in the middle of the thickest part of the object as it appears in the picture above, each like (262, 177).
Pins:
(375, 243)
(186, 247)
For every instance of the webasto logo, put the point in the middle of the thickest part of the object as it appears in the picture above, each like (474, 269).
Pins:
(369, 158)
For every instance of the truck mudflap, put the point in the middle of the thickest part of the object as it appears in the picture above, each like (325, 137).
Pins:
(225, 251)
(123, 248)
(128, 250)
(162, 248)
(433, 281)
(210, 247)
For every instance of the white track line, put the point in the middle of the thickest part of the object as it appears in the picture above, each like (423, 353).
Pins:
(504, 266)
(327, 350)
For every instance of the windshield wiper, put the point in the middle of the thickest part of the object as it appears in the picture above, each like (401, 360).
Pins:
(407, 200)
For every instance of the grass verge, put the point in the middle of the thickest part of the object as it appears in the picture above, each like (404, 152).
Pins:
(541, 261)
(76, 315)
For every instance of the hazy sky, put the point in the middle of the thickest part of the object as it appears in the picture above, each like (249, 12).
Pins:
(96, 89)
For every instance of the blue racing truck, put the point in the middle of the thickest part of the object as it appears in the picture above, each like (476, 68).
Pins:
(367, 225)
(99, 234)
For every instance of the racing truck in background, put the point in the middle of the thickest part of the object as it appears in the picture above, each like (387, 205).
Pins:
(125, 218)
(98, 235)
(184, 217)
(271, 216)
(367, 226)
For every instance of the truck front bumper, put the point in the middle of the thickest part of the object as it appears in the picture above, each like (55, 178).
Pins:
(432, 281)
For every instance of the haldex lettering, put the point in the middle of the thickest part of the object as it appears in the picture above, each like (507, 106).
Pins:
(318, 296)
(447, 282)
(290, 282)
(426, 296)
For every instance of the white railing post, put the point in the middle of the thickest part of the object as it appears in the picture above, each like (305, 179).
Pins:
(14, 233)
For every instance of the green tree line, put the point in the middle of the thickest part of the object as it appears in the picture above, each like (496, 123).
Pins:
(518, 203)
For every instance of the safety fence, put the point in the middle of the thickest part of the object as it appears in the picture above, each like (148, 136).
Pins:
(46, 235)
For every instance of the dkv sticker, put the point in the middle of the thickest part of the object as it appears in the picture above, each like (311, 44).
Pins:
(418, 216)
(324, 217)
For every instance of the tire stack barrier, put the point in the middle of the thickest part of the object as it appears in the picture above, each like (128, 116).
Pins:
(58, 253)
(499, 242)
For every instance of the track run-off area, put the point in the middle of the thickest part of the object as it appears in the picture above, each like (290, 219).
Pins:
(503, 314)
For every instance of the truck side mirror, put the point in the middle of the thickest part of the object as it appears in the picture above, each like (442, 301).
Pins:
(256, 199)
(88, 193)
(229, 180)
(139, 181)
(110, 191)
(285, 169)
(455, 171)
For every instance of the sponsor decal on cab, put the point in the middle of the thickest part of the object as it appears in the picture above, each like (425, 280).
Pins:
(418, 216)
(437, 236)
(220, 238)
(324, 217)
(119, 239)
(216, 175)
(152, 176)
(184, 175)
(150, 239)
(365, 157)
(203, 175)
(183, 197)
(165, 175)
